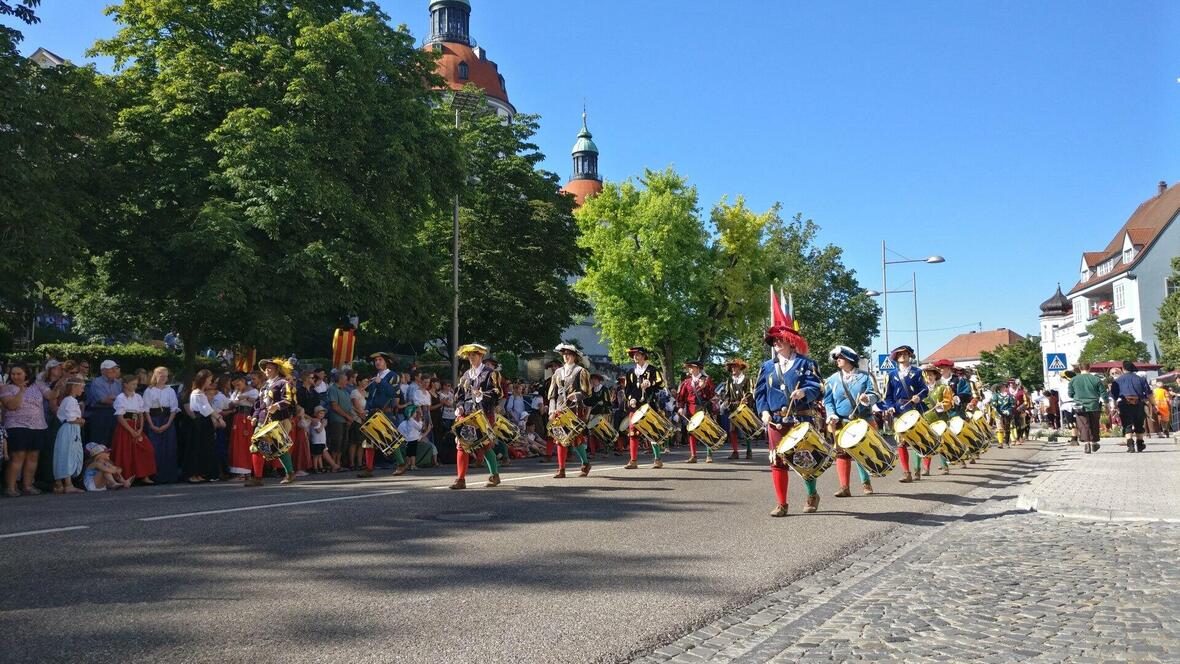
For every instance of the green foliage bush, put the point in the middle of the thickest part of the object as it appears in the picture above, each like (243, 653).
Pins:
(129, 356)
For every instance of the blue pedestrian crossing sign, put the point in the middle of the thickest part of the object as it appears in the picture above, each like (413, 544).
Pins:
(1055, 362)
(884, 363)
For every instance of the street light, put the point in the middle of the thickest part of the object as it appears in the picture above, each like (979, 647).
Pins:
(460, 101)
(884, 293)
(914, 290)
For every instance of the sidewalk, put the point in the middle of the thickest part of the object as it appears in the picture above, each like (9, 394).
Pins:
(1110, 485)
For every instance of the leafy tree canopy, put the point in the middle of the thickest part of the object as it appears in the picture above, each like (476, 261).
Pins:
(1021, 360)
(1168, 325)
(1109, 343)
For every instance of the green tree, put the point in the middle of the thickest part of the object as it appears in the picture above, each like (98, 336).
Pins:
(518, 252)
(648, 267)
(23, 10)
(1167, 327)
(1021, 360)
(49, 120)
(1109, 343)
(273, 165)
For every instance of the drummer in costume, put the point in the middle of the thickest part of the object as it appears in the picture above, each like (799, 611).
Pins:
(275, 403)
(479, 387)
(738, 389)
(939, 401)
(696, 394)
(550, 446)
(849, 394)
(568, 390)
(785, 395)
(599, 402)
(640, 387)
(381, 396)
(904, 391)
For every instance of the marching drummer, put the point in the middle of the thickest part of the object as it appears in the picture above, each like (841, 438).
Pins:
(904, 390)
(568, 391)
(739, 390)
(785, 395)
(479, 389)
(599, 403)
(640, 386)
(382, 394)
(696, 394)
(849, 394)
(276, 403)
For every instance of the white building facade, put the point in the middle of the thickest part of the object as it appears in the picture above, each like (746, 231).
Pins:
(1130, 278)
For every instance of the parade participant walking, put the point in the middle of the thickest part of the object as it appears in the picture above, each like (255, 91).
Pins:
(738, 389)
(1089, 395)
(696, 394)
(849, 394)
(383, 394)
(640, 386)
(568, 391)
(939, 401)
(1131, 392)
(904, 390)
(275, 403)
(785, 395)
(1005, 405)
(599, 403)
(479, 389)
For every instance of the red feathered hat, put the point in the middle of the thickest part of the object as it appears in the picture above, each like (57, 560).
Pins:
(790, 336)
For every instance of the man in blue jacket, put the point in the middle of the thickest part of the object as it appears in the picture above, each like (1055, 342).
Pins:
(849, 394)
(785, 395)
(904, 390)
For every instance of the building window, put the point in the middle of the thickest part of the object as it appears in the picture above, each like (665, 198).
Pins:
(1080, 310)
(1119, 297)
(1171, 286)
(464, 71)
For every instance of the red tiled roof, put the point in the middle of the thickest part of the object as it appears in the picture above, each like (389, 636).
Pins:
(482, 72)
(1144, 226)
(968, 346)
(580, 189)
(1093, 258)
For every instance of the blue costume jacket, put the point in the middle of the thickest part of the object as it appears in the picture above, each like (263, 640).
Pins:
(899, 389)
(772, 392)
(382, 393)
(836, 400)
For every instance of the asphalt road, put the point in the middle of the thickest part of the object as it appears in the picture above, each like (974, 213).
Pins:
(403, 570)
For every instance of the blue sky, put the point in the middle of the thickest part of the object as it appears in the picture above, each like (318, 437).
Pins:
(1007, 136)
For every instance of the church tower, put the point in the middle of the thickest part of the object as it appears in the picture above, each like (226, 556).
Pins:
(585, 181)
(461, 60)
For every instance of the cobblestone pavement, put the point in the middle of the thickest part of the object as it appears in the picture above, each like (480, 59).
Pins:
(997, 585)
(1111, 485)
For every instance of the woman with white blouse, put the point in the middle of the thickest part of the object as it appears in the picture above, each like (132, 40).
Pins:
(200, 456)
(242, 399)
(132, 450)
(162, 406)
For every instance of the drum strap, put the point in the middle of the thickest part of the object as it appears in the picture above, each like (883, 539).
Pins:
(847, 393)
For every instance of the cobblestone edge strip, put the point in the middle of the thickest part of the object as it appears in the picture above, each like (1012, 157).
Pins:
(764, 627)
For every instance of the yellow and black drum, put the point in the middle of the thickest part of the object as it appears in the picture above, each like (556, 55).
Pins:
(743, 418)
(565, 426)
(949, 447)
(913, 430)
(473, 432)
(602, 429)
(651, 425)
(870, 449)
(706, 430)
(271, 441)
(505, 430)
(979, 421)
(966, 434)
(805, 451)
(379, 431)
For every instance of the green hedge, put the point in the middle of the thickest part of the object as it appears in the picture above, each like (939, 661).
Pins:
(129, 356)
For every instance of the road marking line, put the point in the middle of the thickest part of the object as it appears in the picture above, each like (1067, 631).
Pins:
(251, 508)
(42, 532)
(533, 477)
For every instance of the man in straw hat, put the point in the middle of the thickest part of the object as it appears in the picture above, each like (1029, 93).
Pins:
(568, 391)
(785, 395)
(381, 396)
(904, 391)
(640, 386)
(479, 388)
(275, 403)
(696, 394)
(738, 389)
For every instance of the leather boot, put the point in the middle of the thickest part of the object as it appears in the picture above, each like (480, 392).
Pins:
(253, 481)
(494, 480)
(905, 480)
(401, 470)
(843, 493)
(749, 454)
(811, 505)
(733, 456)
(868, 488)
(709, 459)
(289, 479)
(781, 510)
(1130, 446)
(631, 465)
(657, 464)
(691, 459)
(585, 469)
(1087, 450)
(560, 474)
(918, 472)
(1140, 445)
(365, 473)
(459, 484)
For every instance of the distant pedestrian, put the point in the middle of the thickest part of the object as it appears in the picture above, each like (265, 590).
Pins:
(1131, 394)
(1089, 394)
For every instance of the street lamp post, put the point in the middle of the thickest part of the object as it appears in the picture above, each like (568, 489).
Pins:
(884, 292)
(460, 101)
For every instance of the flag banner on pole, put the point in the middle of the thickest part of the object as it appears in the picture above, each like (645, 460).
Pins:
(245, 359)
(778, 313)
(343, 344)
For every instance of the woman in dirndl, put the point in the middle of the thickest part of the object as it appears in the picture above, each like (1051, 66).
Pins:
(200, 460)
(242, 399)
(162, 407)
(132, 449)
(67, 446)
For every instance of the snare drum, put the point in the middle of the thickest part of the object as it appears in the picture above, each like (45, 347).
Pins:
(949, 447)
(966, 434)
(473, 432)
(602, 429)
(913, 430)
(706, 430)
(805, 451)
(870, 449)
(505, 431)
(271, 441)
(743, 417)
(565, 426)
(651, 425)
(380, 433)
